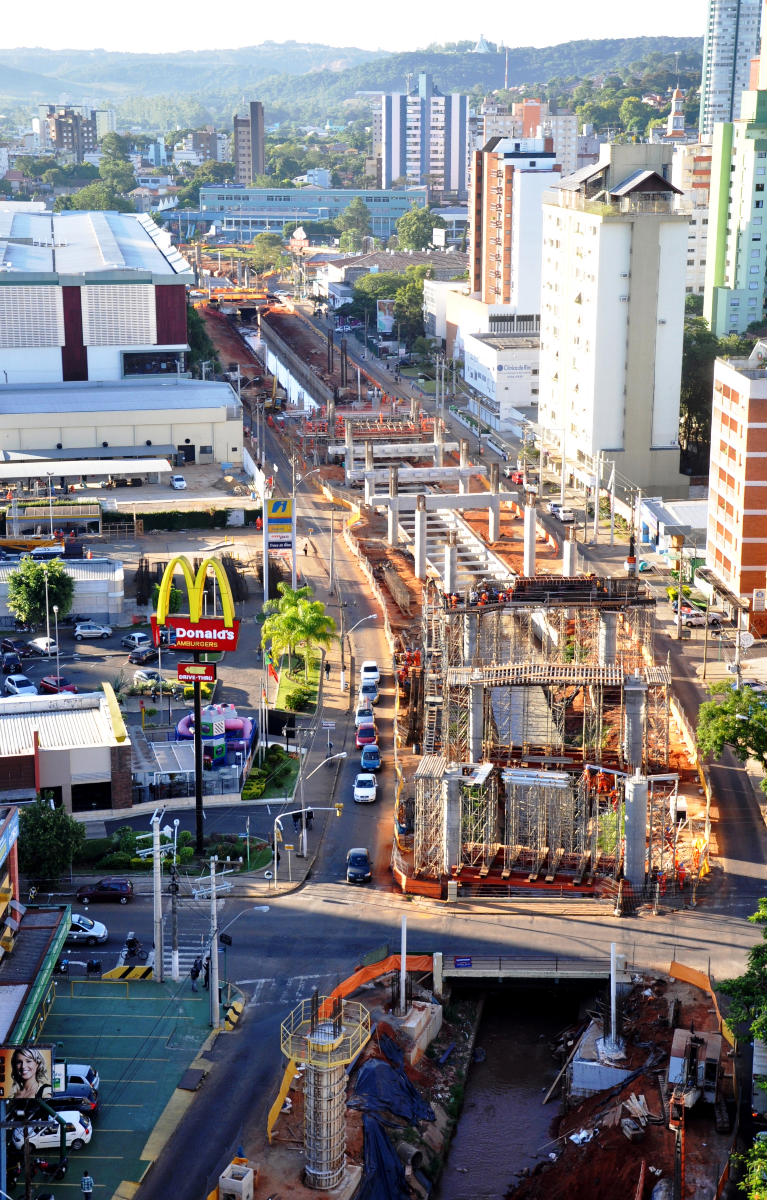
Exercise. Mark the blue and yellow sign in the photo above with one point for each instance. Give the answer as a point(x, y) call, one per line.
point(280, 523)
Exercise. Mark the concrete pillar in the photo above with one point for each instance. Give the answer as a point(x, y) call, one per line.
point(470, 632)
point(437, 977)
point(494, 508)
point(331, 417)
point(463, 484)
point(349, 439)
point(636, 830)
point(476, 691)
point(420, 538)
point(414, 406)
point(439, 438)
point(451, 829)
point(528, 554)
point(569, 555)
point(607, 645)
point(393, 535)
point(370, 487)
point(634, 706)
point(451, 563)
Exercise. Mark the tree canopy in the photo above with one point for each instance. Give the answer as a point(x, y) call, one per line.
point(98, 196)
point(737, 719)
point(27, 593)
point(48, 840)
point(295, 619)
point(414, 228)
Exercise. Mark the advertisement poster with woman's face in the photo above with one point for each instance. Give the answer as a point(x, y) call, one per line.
point(25, 1071)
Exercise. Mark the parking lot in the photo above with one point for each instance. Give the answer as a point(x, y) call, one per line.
point(141, 1037)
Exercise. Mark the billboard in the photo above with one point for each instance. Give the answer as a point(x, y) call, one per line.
point(195, 588)
point(385, 316)
point(209, 633)
point(196, 672)
point(24, 1070)
point(280, 523)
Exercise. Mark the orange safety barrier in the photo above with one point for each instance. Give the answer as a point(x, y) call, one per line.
point(413, 962)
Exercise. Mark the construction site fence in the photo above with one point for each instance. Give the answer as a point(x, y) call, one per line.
point(702, 980)
point(685, 728)
point(375, 587)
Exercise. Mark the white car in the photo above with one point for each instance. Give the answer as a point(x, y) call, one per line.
point(554, 507)
point(698, 617)
point(369, 671)
point(178, 483)
point(19, 685)
point(91, 629)
point(85, 931)
point(365, 788)
point(363, 714)
point(43, 645)
point(77, 1133)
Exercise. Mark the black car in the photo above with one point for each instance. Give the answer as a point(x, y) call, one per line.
point(11, 663)
point(111, 888)
point(142, 655)
point(76, 1096)
point(15, 646)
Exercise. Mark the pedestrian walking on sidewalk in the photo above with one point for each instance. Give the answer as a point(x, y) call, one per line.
point(86, 1185)
point(327, 669)
point(206, 973)
point(194, 972)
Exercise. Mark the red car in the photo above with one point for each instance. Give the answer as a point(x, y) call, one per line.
point(57, 683)
point(366, 735)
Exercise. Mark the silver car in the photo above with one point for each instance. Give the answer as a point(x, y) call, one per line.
point(91, 629)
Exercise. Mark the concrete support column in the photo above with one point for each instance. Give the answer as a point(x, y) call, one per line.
point(393, 534)
point(415, 404)
point(439, 439)
point(636, 830)
point(463, 484)
point(451, 829)
point(569, 555)
point(451, 563)
point(634, 709)
point(494, 509)
point(349, 439)
point(475, 721)
point(437, 978)
point(331, 418)
point(420, 538)
point(470, 631)
point(370, 487)
point(607, 644)
point(528, 555)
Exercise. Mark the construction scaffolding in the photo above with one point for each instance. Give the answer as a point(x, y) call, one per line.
point(428, 817)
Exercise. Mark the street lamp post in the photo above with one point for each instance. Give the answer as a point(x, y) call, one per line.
point(211, 949)
point(370, 617)
point(301, 853)
point(336, 808)
point(50, 499)
point(56, 639)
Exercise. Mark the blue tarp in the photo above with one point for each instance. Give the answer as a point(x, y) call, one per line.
point(384, 1175)
point(381, 1088)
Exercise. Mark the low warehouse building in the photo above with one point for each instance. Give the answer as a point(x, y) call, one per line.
point(73, 749)
point(199, 420)
point(99, 588)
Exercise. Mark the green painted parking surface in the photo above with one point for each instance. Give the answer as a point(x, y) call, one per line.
point(140, 1036)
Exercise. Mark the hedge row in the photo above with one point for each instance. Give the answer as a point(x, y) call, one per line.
point(203, 518)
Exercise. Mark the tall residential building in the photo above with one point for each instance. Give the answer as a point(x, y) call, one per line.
point(731, 41)
point(68, 130)
point(249, 158)
point(735, 294)
point(612, 311)
point(533, 119)
point(508, 180)
point(425, 138)
point(736, 544)
point(691, 173)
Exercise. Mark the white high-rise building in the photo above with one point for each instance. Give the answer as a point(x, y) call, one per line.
point(691, 173)
point(425, 138)
point(612, 312)
point(731, 41)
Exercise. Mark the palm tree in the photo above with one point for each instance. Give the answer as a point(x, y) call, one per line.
point(287, 598)
point(316, 628)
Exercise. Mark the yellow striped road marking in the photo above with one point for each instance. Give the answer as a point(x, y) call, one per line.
point(233, 1014)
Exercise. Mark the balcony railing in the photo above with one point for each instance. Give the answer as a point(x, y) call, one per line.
point(645, 202)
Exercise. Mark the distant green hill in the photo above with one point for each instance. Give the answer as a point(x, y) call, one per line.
point(295, 80)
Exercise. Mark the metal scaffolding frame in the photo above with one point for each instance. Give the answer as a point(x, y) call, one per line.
point(428, 817)
point(479, 823)
point(657, 720)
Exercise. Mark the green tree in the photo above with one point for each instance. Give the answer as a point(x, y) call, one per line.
point(175, 598)
point(699, 349)
point(748, 992)
point(693, 306)
point(201, 348)
point(297, 620)
point(737, 719)
point(27, 594)
point(114, 145)
point(98, 196)
point(49, 839)
point(414, 228)
point(267, 251)
point(634, 115)
point(355, 218)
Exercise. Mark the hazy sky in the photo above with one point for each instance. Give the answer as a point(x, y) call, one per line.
point(396, 25)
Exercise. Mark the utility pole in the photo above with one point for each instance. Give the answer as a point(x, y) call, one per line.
point(157, 896)
point(173, 888)
point(213, 950)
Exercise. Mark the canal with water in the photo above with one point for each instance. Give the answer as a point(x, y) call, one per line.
point(504, 1127)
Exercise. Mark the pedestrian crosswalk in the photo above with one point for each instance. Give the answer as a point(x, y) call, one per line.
point(193, 935)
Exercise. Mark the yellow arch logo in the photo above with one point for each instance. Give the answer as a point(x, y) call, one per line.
point(195, 585)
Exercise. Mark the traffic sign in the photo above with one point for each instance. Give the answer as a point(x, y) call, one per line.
point(196, 672)
point(328, 724)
